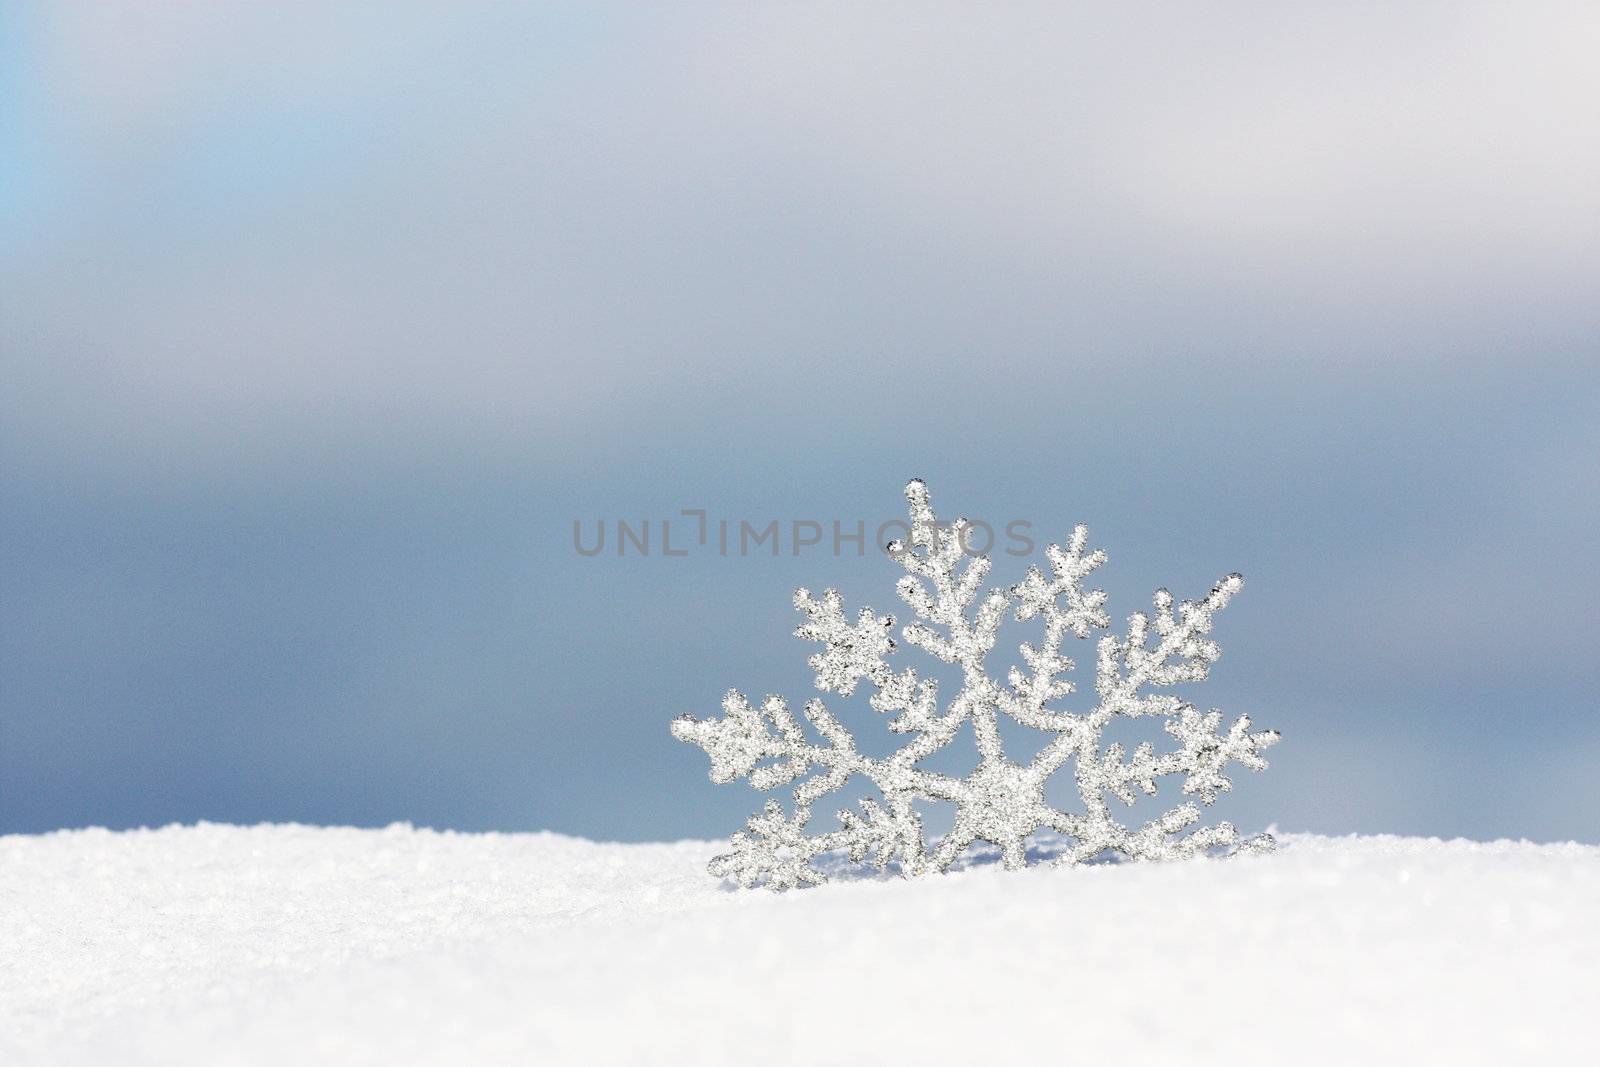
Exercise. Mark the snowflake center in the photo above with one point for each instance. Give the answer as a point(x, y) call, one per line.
point(1003, 802)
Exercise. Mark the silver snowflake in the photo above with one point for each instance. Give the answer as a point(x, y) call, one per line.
point(1001, 802)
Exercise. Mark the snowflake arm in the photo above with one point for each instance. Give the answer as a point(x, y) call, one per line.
point(744, 736)
point(934, 557)
point(852, 652)
point(1205, 754)
point(878, 832)
point(772, 848)
point(1180, 653)
point(1067, 608)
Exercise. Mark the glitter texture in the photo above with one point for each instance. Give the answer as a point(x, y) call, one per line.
point(1000, 802)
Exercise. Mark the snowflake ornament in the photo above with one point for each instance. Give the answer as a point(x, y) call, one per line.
point(1001, 802)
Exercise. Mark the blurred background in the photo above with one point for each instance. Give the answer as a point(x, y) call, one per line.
point(322, 325)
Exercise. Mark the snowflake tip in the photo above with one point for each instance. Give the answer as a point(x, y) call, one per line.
point(1258, 845)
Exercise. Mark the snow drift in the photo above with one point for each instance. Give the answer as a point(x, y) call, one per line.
point(291, 944)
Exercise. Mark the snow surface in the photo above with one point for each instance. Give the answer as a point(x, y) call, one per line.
point(293, 944)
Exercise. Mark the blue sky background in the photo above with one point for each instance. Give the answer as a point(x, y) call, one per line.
point(320, 327)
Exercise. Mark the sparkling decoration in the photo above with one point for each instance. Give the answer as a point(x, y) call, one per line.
point(1000, 802)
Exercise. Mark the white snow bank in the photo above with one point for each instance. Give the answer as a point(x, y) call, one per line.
point(291, 944)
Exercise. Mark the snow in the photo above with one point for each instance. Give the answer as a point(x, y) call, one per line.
point(294, 944)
